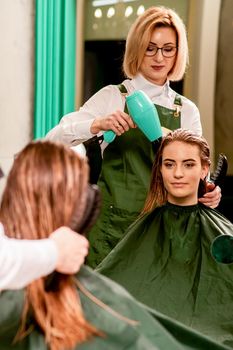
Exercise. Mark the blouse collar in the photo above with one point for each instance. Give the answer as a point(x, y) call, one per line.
point(152, 90)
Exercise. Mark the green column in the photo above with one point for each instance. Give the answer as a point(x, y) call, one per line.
point(54, 63)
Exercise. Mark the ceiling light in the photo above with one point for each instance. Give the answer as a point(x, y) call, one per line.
point(98, 13)
point(96, 3)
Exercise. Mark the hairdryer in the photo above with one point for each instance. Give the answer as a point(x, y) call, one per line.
point(145, 116)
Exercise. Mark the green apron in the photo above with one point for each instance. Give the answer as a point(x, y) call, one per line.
point(124, 181)
point(165, 262)
point(153, 331)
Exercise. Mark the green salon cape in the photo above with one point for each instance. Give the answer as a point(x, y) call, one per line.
point(165, 262)
point(153, 332)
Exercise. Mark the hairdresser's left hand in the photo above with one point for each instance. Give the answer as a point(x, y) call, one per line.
point(212, 197)
point(72, 249)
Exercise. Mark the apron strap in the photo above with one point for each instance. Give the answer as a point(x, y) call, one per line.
point(177, 105)
point(122, 89)
point(93, 149)
point(124, 93)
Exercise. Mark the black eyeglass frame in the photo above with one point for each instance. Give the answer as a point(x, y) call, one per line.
point(156, 49)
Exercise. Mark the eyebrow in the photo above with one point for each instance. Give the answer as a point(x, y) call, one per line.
point(170, 43)
point(185, 160)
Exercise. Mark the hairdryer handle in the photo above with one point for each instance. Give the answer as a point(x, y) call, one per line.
point(109, 136)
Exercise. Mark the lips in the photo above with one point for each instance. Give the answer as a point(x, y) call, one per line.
point(178, 184)
point(157, 68)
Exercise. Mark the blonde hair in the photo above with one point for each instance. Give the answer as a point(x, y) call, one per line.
point(44, 187)
point(139, 37)
point(157, 195)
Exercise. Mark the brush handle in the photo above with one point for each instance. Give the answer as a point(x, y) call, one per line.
point(220, 173)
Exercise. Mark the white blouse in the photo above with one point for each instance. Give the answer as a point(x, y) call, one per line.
point(22, 261)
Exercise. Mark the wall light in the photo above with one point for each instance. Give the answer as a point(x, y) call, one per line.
point(98, 13)
point(110, 12)
point(140, 10)
point(128, 11)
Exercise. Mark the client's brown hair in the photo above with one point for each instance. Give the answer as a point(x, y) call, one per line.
point(45, 185)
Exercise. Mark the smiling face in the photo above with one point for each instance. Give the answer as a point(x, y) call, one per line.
point(181, 171)
point(156, 68)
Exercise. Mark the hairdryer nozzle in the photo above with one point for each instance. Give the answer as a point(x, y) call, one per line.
point(222, 249)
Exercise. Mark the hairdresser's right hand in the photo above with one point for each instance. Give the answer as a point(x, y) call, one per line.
point(119, 122)
point(72, 249)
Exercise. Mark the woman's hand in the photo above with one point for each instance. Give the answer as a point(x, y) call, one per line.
point(119, 122)
point(212, 197)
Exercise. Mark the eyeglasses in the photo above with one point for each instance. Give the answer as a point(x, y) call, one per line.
point(167, 51)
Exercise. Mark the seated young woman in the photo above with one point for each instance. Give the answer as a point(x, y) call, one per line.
point(48, 188)
point(164, 259)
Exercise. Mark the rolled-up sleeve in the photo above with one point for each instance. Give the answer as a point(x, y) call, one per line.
point(22, 261)
point(74, 127)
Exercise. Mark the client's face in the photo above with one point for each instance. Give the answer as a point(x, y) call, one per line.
point(182, 170)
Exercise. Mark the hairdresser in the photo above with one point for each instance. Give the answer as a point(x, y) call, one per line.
point(156, 53)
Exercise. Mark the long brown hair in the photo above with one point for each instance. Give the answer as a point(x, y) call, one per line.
point(44, 187)
point(157, 195)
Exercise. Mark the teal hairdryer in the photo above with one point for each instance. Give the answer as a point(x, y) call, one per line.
point(145, 116)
